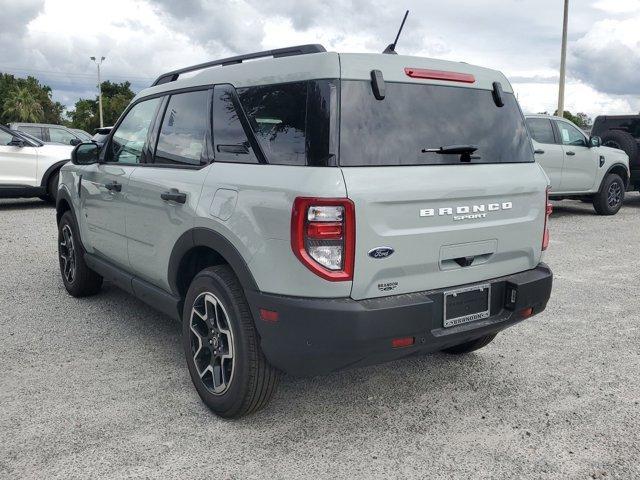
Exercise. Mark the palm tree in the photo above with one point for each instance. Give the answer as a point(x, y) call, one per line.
point(22, 106)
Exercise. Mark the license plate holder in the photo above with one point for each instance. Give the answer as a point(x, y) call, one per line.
point(468, 304)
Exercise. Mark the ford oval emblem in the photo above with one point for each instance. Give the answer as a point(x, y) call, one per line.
point(381, 252)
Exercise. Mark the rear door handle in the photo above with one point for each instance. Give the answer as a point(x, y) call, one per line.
point(174, 195)
point(539, 152)
point(571, 153)
point(113, 186)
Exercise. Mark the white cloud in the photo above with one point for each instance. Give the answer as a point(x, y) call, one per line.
point(142, 38)
point(579, 97)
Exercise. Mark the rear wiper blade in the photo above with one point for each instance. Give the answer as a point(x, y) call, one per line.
point(452, 149)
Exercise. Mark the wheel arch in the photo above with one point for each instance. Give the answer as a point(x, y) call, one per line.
point(618, 169)
point(63, 204)
point(200, 248)
point(50, 171)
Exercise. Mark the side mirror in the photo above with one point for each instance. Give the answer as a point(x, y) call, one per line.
point(16, 142)
point(595, 142)
point(85, 154)
point(75, 141)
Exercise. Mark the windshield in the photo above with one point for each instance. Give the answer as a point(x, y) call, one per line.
point(429, 125)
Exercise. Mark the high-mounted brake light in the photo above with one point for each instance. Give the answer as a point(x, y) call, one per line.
point(547, 213)
point(439, 75)
point(323, 236)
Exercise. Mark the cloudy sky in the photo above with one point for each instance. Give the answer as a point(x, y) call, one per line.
point(53, 40)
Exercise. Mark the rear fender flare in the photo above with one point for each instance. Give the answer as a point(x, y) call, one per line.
point(204, 237)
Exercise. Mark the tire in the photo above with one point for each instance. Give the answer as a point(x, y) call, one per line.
point(52, 187)
point(227, 366)
point(78, 278)
point(610, 198)
point(622, 141)
point(471, 346)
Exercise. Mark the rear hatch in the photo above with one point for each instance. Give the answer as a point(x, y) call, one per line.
point(427, 219)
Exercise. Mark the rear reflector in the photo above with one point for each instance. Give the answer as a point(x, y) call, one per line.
point(526, 313)
point(268, 315)
point(439, 75)
point(402, 342)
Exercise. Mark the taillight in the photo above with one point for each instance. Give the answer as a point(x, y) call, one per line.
point(439, 75)
point(323, 236)
point(547, 214)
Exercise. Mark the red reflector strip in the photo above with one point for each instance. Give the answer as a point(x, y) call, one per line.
point(526, 313)
point(439, 75)
point(402, 342)
point(324, 230)
point(268, 315)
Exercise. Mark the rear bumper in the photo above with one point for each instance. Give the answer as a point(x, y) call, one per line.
point(316, 336)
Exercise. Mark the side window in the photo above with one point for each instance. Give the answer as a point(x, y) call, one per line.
point(570, 135)
point(541, 130)
point(278, 114)
point(182, 135)
point(5, 138)
point(230, 142)
point(131, 135)
point(35, 131)
point(59, 135)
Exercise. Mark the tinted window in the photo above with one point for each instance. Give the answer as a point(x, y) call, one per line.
point(277, 114)
point(59, 135)
point(229, 138)
point(35, 131)
point(182, 135)
point(541, 130)
point(5, 137)
point(570, 135)
point(131, 135)
point(412, 117)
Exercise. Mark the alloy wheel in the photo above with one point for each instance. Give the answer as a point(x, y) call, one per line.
point(614, 195)
point(68, 255)
point(212, 343)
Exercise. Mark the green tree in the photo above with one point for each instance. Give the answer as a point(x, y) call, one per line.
point(22, 105)
point(581, 119)
point(31, 89)
point(115, 98)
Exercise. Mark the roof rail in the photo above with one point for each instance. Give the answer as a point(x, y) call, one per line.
point(279, 52)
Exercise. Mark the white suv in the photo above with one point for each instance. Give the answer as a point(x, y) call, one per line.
point(29, 167)
point(577, 165)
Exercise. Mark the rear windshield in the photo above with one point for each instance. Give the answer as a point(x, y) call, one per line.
point(413, 117)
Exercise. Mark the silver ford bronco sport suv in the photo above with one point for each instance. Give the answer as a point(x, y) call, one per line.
point(313, 211)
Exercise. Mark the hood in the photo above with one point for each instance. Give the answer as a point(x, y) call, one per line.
point(614, 152)
point(63, 151)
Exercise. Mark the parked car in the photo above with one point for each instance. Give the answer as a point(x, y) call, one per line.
point(29, 167)
point(100, 135)
point(622, 132)
point(49, 133)
point(84, 136)
point(577, 165)
point(292, 228)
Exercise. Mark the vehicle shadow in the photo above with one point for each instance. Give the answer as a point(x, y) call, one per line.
point(21, 204)
point(566, 208)
point(380, 388)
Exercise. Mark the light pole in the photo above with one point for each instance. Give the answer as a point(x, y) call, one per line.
point(563, 59)
point(98, 63)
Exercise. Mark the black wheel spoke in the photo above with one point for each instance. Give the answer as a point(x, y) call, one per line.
point(67, 253)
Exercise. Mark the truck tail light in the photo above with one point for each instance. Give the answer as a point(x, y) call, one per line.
point(323, 236)
point(547, 214)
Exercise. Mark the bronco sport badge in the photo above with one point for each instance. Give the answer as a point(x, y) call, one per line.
point(466, 212)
